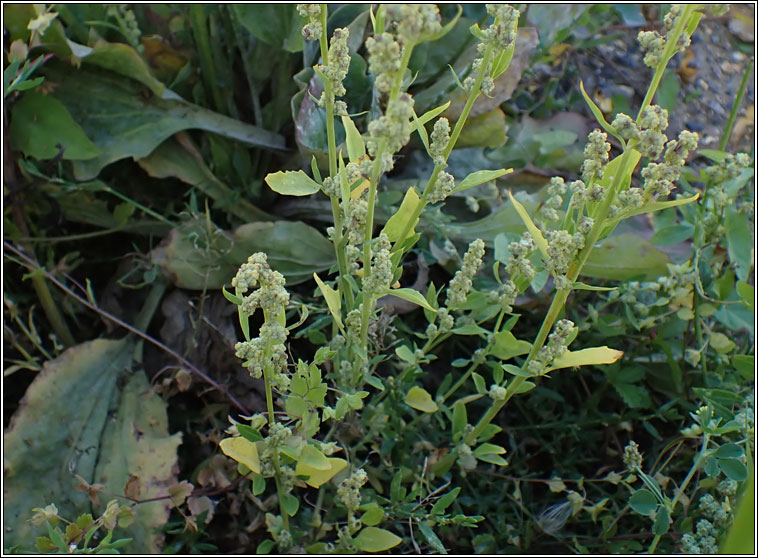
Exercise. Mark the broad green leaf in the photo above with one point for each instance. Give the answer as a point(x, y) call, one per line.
point(480, 177)
point(405, 354)
point(290, 504)
point(643, 502)
point(662, 521)
point(372, 517)
point(674, 234)
point(741, 536)
point(747, 294)
point(556, 485)
point(739, 241)
point(373, 539)
point(411, 295)
point(62, 414)
point(292, 183)
point(242, 451)
point(171, 159)
point(507, 346)
point(333, 299)
point(278, 25)
point(123, 59)
point(481, 387)
point(539, 240)
point(484, 130)
point(420, 399)
point(138, 443)
point(42, 127)
point(729, 450)
point(124, 120)
point(259, 485)
point(525, 387)
point(721, 342)
point(745, 365)
point(355, 146)
point(586, 357)
point(395, 225)
point(194, 257)
point(314, 458)
point(599, 114)
point(317, 477)
point(626, 257)
point(734, 469)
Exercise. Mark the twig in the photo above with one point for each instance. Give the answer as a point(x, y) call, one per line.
point(83, 301)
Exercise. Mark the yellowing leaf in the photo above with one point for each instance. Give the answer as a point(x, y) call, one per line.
point(539, 240)
point(419, 399)
point(394, 227)
point(355, 146)
point(373, 539)
point(312, 457)
point(586, 357)
point(358, 190)
point(292, 183)
point(243, 451)
point(317, 477)
point(333, 300)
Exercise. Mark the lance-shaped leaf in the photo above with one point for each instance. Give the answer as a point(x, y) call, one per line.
point(355, 146)
point(539, 240)
point(333, 299)
point(411, 295)
point(395, 225)
point(599, 115)
point(480, 177)
point(586, 357)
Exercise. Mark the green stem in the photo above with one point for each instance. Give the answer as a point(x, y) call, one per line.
point(200, 30)
point(267, 373)
point(735, 107)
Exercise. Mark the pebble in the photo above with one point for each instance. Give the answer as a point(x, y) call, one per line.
point(737, 56)
point(694, 126)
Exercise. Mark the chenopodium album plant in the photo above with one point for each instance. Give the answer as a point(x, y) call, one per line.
point(287, 445)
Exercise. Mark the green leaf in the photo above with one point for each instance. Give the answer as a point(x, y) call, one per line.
point(654, 206)
point(745, 365)
point(373, 539)
point(125, 60)
point(539, 240)
point(333, 300)
point(395, 225)
point(278, 25)
point(747, 294)
point(741, 536)
point(355, 146)
point(479, 383)
point(721, 343)
point(460, 419)
point(674, 234)
point(290, 504)
point(525, 387)
point(444, 502)
point(486, 448)
point(516, 371)
point(292, 183)
point(643, 502)
point(480, 177)
point(433, 113)
point(578, 286)
point(41, 127)
point(259, 485)
point(507, 346)
point(431, 538)
point(739, 240)
point(121, 122)
point(734, 469)
point(372, 517)
point(314, 458)
point(662, 521)
point(729, 450)
point(405, 354)
point(194, 257)
point(265, 547)
point(411, 295)
point(599, 115)
point(626, 257)
point(586, 357)
point(420, 399)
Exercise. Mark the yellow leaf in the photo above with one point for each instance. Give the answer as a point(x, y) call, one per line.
point(419, 399)
point(243, 451)
point(585, 357)
point(317, 477)
point(333, 299)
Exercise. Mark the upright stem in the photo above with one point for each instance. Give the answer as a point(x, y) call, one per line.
point(736, 106)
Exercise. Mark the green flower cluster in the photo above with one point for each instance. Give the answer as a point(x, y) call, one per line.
point(447, 321)
point(555, 190)
point(127, 22)
point(653, 43)
point(312, 30)
point(555, 347)
point(497, 393)
point(499, 36)
point(349, 490)
point(518, 261)
point(383, 60)
point(336, 70)
point(413, 22)
point(278, 434)
point(272, 298)
point(379, 278)
point(460, 285)
point(562, 248)
point(440, 139)
point(505, 296)
point(442, 187)
point(582, 194)
point(390, 132)
point(659, 178)
point(595, 156)
point(632, 456)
